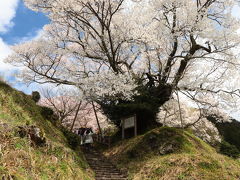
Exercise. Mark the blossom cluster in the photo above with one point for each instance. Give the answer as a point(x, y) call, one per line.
point(109, 84)
point(170, 115)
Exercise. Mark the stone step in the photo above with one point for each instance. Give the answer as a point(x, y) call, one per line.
point(107, 170)
point(111, 178)
point(107, 173)
point(97, 171)
point(100, 163)
point(111, 175)
point(95, 161)
point(94, 157)
point(103, 168)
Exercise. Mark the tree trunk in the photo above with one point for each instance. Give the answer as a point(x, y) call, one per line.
point(95, 112)
point(76, 114)
point(180, 111)
point(145, 105)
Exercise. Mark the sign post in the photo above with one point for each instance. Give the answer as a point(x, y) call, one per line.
point(130, 122)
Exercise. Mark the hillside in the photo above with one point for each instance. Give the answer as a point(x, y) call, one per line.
point(162, 153)
point(169, 153)
point(48, 157)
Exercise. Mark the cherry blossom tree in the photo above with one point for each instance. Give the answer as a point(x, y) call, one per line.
point(73, 111)
point(65, 106)
point(110, 49)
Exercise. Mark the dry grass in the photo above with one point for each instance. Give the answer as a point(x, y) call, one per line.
point(18, 159)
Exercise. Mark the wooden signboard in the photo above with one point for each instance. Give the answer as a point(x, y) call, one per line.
point(130, 122)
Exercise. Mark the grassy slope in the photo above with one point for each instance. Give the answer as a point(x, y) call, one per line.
point(192, 158)
point(19, 159)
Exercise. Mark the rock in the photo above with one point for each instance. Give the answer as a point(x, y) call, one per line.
point(54, 159)
point(34, 133)
point(8, 177)
point(166, 148)
point(4, 127)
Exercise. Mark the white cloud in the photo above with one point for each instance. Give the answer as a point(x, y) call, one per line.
point(4, 52)
point(7, 13)
point(7, 71)
point(30, 36)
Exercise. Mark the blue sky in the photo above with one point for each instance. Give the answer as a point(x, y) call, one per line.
point(26, 24)
point(17, 24)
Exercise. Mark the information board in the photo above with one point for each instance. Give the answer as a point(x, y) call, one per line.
point(130, 122)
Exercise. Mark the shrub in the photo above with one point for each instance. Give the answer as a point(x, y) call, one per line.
point(145, 105)
point(36, 96)
point(229, 150)
point(74, 140)
point(46, 112)
point(49, 114)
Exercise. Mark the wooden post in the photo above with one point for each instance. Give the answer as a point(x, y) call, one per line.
point(123, 129)
point(135, 125)
point(109, 141)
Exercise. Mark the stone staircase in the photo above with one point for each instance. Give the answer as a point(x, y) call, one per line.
point(103, 168)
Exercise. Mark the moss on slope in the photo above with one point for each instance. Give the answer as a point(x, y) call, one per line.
point(19, 159)
point(169, 153)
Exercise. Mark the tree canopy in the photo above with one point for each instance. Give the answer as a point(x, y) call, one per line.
point(110, 48)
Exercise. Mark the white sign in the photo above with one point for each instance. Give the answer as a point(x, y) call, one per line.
point(129, 122)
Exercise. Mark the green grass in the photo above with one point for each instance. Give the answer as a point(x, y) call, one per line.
point(21, 160)
point(191, 159)
point(212, 166)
